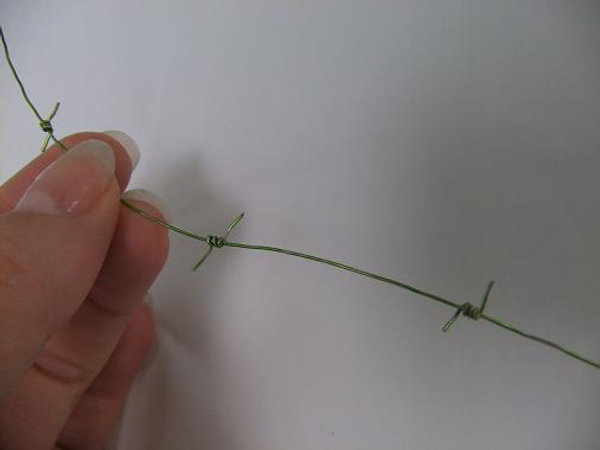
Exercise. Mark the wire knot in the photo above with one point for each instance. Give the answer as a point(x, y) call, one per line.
point(46, 126)
point(469, 310)
point(215, 241)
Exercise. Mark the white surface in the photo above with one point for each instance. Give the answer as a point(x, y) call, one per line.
point(441, 142)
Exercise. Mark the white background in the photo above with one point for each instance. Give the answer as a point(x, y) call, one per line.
point(444, 143)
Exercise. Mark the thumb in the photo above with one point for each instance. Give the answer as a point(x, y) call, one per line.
point(52, 245)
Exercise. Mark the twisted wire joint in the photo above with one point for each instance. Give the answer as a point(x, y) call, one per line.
point(46, 126)
point(217, 241)
point(469, 310)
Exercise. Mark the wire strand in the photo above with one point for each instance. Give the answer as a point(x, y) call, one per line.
point(465, 309)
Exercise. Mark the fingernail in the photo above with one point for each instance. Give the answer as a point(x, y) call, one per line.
point(150, 198)
point(128, 144)
point(73, 183)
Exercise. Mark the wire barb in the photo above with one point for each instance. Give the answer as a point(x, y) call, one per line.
point(217, 241)
point(46, 126)
point(469, 310)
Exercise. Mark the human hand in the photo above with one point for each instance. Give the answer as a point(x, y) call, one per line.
point(75, 266)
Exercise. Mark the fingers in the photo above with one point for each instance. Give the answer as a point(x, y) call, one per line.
point(77, 352)
point(126, 157)
point(137, 254)
point(64, 237)
point(52, 246)
point(92, 420)
point(93, 416)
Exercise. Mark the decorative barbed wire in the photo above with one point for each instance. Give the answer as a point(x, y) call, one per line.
point(465, 309)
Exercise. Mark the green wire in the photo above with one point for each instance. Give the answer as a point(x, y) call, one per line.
point(465, 309)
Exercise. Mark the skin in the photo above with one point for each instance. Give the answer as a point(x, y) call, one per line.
point(80, 315)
